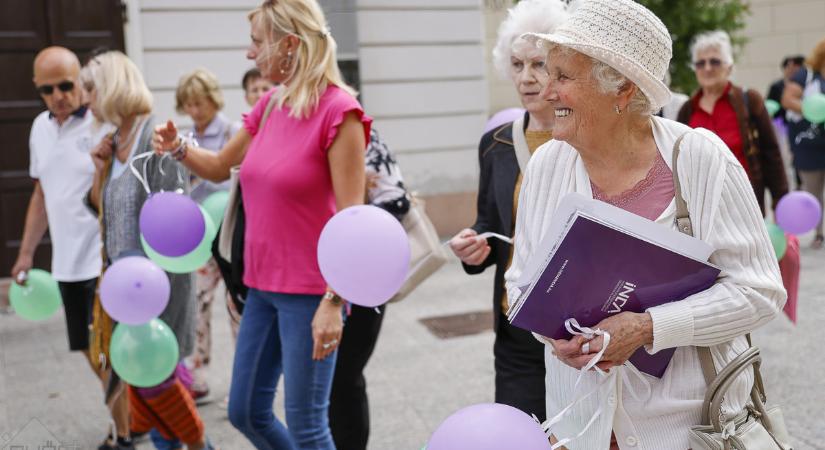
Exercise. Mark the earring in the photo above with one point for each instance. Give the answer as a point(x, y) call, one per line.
point(618, 110)
point(284, 68)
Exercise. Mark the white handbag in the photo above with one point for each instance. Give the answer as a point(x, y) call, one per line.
point(427, 254)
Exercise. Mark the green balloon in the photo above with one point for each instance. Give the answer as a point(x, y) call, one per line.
point(780, 243)
point(215, 205)
point(813, 108)
point(39, 299)
point(144, 355)
point(191, 261)
point(772, 106)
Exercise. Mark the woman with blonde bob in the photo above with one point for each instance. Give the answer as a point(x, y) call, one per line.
point(118, 95)
point(606, 65)
point(301, 156)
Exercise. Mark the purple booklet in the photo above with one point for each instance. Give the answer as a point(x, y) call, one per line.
point(598, 270)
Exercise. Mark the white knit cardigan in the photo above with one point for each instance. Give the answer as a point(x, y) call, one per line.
point(748, 294)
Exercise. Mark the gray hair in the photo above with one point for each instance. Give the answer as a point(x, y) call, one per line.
point(713, 39)
point(528, 16)
point(610, 81)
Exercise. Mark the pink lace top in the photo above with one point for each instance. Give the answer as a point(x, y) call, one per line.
point(649, 197)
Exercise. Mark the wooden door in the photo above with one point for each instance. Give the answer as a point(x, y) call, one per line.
point(26, 27)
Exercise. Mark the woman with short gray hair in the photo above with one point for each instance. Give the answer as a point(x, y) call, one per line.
point(503, 153)
point(738, 116)
point(606, 65)
point(718, 40)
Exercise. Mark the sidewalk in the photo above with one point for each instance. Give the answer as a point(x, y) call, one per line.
point(415, 379)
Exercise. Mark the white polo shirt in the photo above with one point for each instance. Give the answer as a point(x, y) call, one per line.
point(61, 162)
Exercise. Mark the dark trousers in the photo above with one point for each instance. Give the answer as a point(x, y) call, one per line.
point(519, 362)
point(349, 413)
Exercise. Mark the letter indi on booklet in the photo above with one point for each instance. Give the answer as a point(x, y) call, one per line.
point(596, 268)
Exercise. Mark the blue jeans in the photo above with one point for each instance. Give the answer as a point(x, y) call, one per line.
point(276, 338)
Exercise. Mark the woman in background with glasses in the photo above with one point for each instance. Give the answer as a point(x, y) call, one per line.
point(738, 116)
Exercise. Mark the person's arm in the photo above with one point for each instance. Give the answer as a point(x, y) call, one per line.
point(773, 167)
point(476, 254)
point(792, 97)
point(745, 296)
point(101, 157)
point(346, 166)
point(204, 163)
point(35, 227)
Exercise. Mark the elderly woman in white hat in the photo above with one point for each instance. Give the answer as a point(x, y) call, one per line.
point(606, 66)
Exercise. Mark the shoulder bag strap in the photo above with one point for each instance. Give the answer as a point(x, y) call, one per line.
point(684, 225)
point(520, 144)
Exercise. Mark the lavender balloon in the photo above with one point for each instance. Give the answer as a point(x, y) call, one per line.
point(502, 117)
point(171, 223)
point(798, 212)
point(364, 254)
point(489, 426)
point(134, 290)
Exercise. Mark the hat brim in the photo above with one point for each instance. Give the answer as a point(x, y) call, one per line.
point(655, 90)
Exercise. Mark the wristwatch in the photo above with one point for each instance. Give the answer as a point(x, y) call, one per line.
point(333, 297)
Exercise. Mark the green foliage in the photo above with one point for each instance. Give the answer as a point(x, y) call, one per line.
point(687, 18)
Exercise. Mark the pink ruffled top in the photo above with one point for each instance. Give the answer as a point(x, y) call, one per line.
point(287, 192)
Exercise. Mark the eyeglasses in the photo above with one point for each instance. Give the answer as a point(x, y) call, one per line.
point(715, 63)
point(48, 89)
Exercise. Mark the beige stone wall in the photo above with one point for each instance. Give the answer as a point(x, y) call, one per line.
point(777, 28)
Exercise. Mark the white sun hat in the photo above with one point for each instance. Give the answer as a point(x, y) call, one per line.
point(624, 35)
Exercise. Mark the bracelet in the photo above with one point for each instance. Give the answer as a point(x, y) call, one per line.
point(185, 142)
point(333, 297)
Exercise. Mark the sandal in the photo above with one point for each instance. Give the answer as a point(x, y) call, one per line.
point(819, 240)
point(120, 444)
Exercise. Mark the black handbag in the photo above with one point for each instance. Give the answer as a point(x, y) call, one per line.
point(228, 246)
point(232, 269)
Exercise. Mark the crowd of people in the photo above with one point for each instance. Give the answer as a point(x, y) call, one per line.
point(597, 121)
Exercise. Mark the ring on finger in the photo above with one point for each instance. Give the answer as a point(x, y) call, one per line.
point(586, 348)
point(329, 344)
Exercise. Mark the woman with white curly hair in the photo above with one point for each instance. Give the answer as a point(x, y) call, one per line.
point(503, 154)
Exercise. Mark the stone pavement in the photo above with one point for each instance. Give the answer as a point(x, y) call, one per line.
point(415, 379)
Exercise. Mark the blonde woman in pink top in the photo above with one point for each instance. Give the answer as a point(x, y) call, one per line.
point(298, 167)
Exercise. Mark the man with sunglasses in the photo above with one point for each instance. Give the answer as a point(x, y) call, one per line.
point(60, 143)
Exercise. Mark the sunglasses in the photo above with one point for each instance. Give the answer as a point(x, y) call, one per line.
point(714, 63)
point(48, 89)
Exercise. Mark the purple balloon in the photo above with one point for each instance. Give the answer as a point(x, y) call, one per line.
point(798, 212)
point(504, 116)
point(489, 426)
point(134, 290)
point(171, 223)
point(364, 255)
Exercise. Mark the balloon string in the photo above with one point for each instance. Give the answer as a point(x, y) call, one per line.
point(143, 180)
point(177, 167)
point(486, 235)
